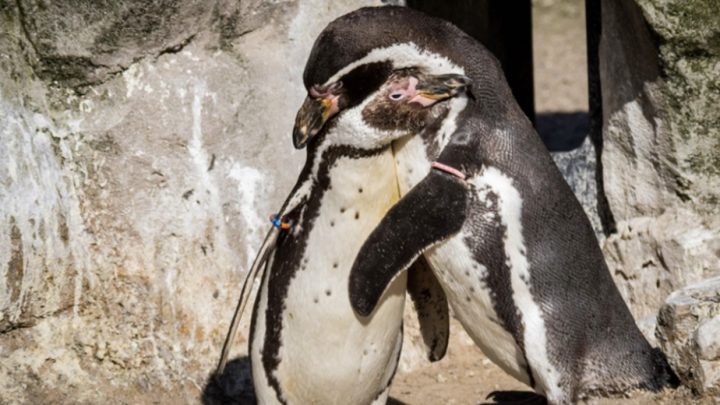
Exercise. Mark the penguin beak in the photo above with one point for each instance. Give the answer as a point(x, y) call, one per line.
point(431, 89)
point(312, 116)
point(319, 106)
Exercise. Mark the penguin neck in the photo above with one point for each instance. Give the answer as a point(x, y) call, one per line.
point(414, 153)
point(345, 174)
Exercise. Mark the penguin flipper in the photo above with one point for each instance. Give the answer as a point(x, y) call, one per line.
point(432, 308)
point(432, 211)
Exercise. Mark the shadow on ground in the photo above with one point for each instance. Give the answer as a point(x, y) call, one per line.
point(233, 387)
point(562, 131)
point(515, 398)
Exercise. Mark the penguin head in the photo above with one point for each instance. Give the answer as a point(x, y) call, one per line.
point(375, 75)
point(411, 100)
point(375, 105)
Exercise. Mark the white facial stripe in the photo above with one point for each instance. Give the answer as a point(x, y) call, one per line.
point(535, 334)
point(449, 126)
point(352, 130)
point(403, 56)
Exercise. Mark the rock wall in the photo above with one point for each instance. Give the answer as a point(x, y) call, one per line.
point(142, 145)
point(660, 77)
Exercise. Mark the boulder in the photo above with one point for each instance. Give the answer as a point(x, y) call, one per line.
point(659, 72)
point(688, 331)
point(650, 257)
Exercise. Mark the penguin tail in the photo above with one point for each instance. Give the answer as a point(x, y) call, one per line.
point(663, 376)
point(612, 371)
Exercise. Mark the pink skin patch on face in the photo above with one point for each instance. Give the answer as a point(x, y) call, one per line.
point(328, 97)
point(334, 108)
point(405, 89)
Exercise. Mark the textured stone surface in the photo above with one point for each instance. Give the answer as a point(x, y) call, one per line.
point(660, 75)
point(142, 145)
point(689, 333)
point(650, 257)
point(578, 169)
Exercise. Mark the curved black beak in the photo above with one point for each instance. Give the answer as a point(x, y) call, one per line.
point(312, 116)
point(441, 87)
point(321, 103)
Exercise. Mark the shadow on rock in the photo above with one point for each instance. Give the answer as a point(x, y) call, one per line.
point(515, 398)
point(233, 387)
point(563, 131)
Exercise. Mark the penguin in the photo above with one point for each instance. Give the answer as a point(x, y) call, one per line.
point(484, 204)
point(307, 345)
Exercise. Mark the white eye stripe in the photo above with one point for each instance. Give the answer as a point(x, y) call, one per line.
point(402, 56)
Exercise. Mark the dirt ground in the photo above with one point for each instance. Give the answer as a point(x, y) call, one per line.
point(466, 376)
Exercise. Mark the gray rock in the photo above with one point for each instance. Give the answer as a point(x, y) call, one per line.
point(578, 169)
point(661, 134)
point(647, 326)
point(650, 257)
point(689, 334)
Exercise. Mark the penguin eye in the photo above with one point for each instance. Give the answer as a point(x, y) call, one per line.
point(397, 95)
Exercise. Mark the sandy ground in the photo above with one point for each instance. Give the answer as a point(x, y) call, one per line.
point(466, 376)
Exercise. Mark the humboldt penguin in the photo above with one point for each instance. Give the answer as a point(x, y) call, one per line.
point(307, 345)
point(494, 218)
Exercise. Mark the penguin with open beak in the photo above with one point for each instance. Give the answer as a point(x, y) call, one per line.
point(484, 204)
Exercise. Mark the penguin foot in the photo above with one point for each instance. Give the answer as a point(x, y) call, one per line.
point(515, 398)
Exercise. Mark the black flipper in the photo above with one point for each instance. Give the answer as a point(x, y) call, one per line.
point(433, 210)
point(432, 308)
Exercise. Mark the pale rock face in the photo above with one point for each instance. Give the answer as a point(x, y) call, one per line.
point(650, 257)
point(578, 168)
point(142, 146)
point(661, 135)
point(688, 330)
point(659, 62)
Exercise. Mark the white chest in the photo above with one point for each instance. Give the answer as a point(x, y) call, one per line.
point(328, 354)
point(411, 162)
point(462, 279)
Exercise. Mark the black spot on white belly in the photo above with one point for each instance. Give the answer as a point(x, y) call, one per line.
point(289, 258)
